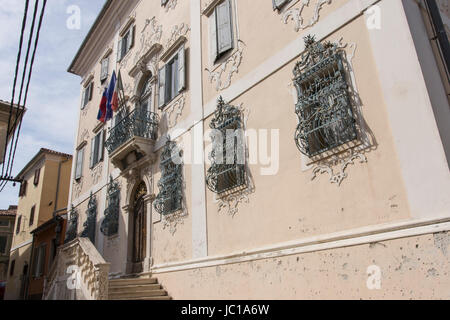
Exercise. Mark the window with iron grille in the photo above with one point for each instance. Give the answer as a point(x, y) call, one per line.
point(110, 224)
point(227, 172)
point(324, 111)
point(91, 221)
point(170, 197)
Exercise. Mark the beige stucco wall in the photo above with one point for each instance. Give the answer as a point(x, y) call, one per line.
point(287, 207)
point(411, 268)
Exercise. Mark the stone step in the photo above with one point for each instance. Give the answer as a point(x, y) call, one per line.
point(134, 288)
point(126, 282)
point(138, 294)
point(146, 298)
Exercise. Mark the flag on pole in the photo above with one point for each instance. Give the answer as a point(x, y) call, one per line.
point(102, 109)
point(110, 96)
point(117, 99)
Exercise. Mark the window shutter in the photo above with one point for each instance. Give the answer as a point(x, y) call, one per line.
point(224, 27)
point(162, 86)
point(91, 89)
point(277, 4)
point(181, 69)
point(91, 158)
point(36, 176)
point(119, 50)
point(79, 167)
point(131, 37)
point(213, 37)
point(101, 148)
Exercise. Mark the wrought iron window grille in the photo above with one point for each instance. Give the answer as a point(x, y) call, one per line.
point(110, 224)
point(137, 123)
point(91, 221)
point(71, 232)
point(227, 173)
point(170, 197)
point(326, 119)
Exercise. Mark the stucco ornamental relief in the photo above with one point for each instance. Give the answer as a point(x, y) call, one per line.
point(174, 111)
point(77, 188)
point(173, 220)
point(171, 4)
point(84, 136)
point(151, 34)
point(296, 13)
point(222, 75)
point(177, 32)
point(96, 173)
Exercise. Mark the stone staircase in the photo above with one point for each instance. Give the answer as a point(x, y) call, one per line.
point(136, 289)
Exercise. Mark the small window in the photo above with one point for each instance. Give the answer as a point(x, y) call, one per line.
point(87, 94)
point(126, 43)
point(278, 4)
point(221, 30)
point(4, 223)
point(3, 242)
point(172, 78)
point(104, 69)
point(11, 268)
point(79, 165)
point(32, 215)
point(97, 149)
point(19, 221)
point(37, 172)
point(23, 188)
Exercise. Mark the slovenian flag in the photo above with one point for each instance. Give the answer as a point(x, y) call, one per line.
point(102, 109)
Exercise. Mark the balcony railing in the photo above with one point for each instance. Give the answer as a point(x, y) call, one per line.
point(138, 123)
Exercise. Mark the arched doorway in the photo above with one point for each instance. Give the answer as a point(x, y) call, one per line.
point(138, 229)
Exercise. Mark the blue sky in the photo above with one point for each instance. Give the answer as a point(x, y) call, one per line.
point(53, 97)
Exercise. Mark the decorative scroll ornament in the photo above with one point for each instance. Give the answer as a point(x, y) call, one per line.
point(77, 188)
point(341, 175)
point(174, 111)
point(72, 225)
point(96, 173)
point(151, 34)
point(110, 224)
point(231, 202)
point(234, 61)
point(177, 32)
point(171, 4)
point(323, 108)
point(296, 14)
point(91, 221)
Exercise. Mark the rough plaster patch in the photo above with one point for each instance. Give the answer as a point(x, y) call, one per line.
point(442, 241)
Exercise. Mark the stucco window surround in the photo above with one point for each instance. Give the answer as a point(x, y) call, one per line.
point(88, 90)
point(126, 39)
point(79, 162)
point(225, 13)
point(172, 74)
point(105, 64)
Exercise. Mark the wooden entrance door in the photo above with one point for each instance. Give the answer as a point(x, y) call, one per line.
point(139, 234)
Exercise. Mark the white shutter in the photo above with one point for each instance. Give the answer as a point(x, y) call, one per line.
point(212, 38)
point(119, 50)
point(162, 86)
point(224, 27)
point(91, 158)
point(131, 40)
point(181, 69)
point(79, 167)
